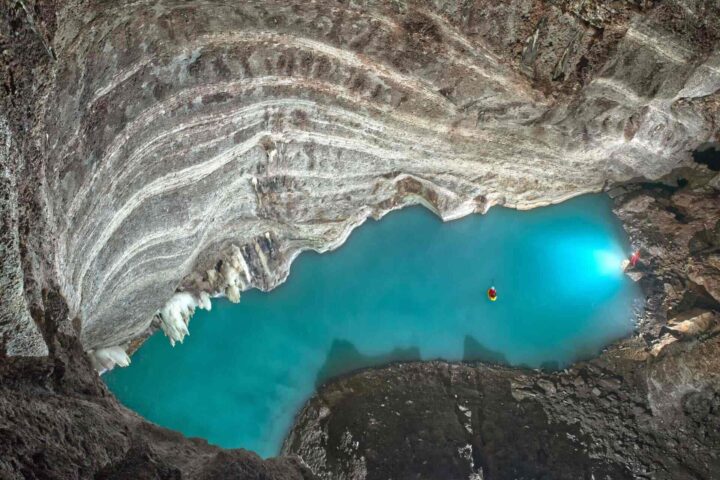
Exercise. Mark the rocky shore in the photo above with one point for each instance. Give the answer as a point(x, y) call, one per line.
point(614, 417)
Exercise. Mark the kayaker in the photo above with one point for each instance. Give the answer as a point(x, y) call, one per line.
point(492, 294)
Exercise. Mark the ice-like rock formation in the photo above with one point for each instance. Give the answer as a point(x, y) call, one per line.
point(201, 146)
point(175, 315)
point(106, 358)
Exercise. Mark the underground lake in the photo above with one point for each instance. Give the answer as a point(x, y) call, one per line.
point(407, 287)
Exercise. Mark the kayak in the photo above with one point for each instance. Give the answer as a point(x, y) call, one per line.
point(492, 294)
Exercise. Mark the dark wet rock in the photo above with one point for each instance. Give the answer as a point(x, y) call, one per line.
point(708, 154)
point(453, 421)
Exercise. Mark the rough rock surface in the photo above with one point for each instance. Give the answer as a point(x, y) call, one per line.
point(202, 145)
point(59, 421)
point(676, 227)
point(612, 418)
point(21, 57)
point(648, 407)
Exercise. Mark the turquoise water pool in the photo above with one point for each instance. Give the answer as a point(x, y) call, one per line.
point(403, 288)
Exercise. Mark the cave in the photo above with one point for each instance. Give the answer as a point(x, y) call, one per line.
point(708, 154)
point(162, 158)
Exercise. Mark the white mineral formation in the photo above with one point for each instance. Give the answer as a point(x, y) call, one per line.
point(175, 315)
point(107, 358)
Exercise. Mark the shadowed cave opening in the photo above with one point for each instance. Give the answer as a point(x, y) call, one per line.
point(708, 154)
point(405, 288)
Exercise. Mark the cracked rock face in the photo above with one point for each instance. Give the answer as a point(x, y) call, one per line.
point(169, 139)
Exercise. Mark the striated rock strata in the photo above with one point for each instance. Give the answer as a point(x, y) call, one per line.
point(189, 147)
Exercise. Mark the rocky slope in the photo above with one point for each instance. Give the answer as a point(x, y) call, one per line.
point(648, 407)
point(201, 146)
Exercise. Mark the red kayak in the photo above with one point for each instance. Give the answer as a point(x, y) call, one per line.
point(492, 294)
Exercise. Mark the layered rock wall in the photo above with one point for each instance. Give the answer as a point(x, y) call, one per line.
point(153, 153)
point(171, 138)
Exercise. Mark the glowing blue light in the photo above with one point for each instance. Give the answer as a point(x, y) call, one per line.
point(608, 262)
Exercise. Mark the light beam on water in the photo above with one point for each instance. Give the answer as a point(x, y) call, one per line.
point(404, 288)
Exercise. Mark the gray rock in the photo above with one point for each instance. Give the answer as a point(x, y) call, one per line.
point(569, 434)
point(154, 147)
